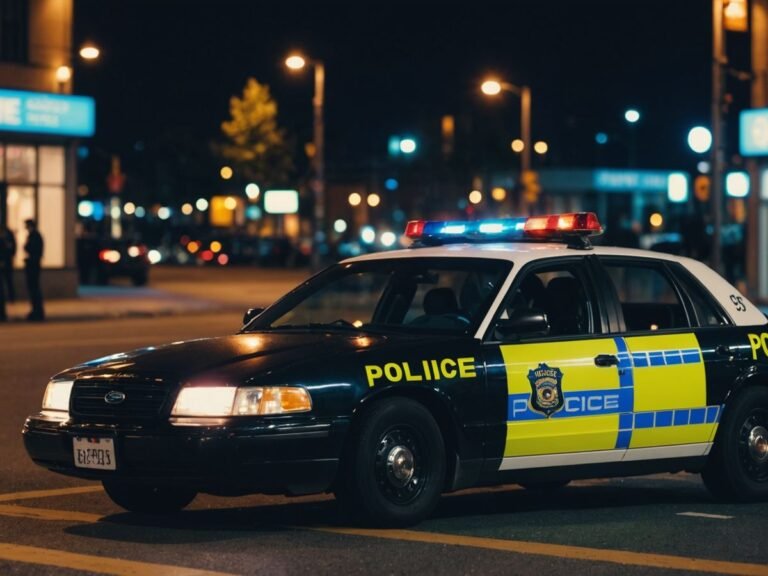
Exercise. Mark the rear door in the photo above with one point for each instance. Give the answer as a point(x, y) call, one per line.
point(669, 416)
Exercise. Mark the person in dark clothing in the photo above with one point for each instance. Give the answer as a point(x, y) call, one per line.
point(8, 241)
point(34, 255)
point(5, 261)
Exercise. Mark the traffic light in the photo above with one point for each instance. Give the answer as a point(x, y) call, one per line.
point(531, 187)
point(701, 188)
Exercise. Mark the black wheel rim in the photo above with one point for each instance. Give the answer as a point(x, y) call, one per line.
point(753, 445)
point(400, 468)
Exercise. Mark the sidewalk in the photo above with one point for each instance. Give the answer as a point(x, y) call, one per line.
point(105, 302)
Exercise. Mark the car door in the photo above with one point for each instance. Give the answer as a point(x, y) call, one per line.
point(564, 386)
point(670, 416)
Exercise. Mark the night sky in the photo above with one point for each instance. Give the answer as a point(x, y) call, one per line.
point(169, 68)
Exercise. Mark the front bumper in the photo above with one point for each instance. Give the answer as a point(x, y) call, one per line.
point(274, 456)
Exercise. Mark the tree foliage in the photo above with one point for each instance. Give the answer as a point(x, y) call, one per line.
point(253, 142)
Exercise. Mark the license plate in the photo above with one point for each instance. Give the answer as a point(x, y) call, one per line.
point(94, 453)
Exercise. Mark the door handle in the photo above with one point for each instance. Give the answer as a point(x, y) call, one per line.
point(606, 360)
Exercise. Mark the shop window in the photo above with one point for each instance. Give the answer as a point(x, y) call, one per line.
point(20, 164)
point(21, 206)
point(51, 224)
point(51, 165)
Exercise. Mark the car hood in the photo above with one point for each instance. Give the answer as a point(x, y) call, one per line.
point(238, 356)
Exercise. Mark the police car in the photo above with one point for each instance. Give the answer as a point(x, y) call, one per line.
point(504, 351)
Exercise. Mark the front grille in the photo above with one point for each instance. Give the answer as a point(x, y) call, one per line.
point(143, 399)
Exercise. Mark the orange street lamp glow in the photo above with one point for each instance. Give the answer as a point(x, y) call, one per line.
point(540, 147)
point(63, 74)
point(225, 172)
point(517, 145)
point(230, 203)
point(491, 87)
point(656, 220)
point(354, 199)
point(89, 52)
point(295, 62)
point(499, 194)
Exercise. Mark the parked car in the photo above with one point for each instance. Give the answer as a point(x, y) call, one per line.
point(100, 260)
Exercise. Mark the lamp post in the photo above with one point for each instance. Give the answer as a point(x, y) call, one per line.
point(492, 87)
point(297, 62)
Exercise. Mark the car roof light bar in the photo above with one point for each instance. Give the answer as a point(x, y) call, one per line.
point(574, 228)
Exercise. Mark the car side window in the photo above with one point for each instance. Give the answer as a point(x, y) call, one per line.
point(557, 292)
point(707, 312)
point(647, 296)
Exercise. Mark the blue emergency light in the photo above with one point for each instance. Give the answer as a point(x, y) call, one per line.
point(552, 227)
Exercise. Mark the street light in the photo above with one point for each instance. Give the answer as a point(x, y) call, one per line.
point(700, 139)
point(298, 62)
point(89, 52)
point(632, 116)
point(494, 87)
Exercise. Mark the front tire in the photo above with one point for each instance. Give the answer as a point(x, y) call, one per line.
point(738, 465)
point(148, 499)
point(395, 469)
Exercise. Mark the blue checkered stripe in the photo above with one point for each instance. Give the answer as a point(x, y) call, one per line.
point(628, 363)
point(664, 418)
point(664, 358)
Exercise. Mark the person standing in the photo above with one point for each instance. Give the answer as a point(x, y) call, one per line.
point(5, 261)
point(34, 255)
point(8, 240)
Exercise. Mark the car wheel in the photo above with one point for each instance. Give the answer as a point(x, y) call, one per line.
point(395, 469)
point(146, 498)
point(737, 468)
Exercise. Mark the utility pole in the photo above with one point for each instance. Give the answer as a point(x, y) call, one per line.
point(318, 102)
point(757, 212)
point(718, 62)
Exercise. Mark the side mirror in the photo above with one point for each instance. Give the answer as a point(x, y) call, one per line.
point(525, 323)
point(250, 314)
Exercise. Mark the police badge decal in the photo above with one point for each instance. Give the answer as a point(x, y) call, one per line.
point(546, 389)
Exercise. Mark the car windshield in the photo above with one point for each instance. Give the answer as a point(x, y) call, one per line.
point(447, 295)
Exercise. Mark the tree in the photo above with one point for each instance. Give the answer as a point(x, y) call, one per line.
point(254, 143)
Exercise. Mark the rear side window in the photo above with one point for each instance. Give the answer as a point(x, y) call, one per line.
point(707, 312)
point(648, 298)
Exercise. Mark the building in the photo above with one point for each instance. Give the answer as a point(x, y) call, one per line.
point(40, 127)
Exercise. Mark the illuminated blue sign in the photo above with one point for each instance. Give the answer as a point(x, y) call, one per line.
point(631, 180)
point(41, 113)
point(753, 132)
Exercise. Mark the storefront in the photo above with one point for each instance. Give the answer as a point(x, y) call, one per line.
point(39, 135)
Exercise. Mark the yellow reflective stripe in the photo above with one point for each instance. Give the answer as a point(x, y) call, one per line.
point(668, 386)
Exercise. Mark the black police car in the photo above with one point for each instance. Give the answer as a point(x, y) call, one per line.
point(490, 352)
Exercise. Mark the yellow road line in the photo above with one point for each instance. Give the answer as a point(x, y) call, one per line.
point(49, 493)
point(47, 514)
point(97, 564)
point(561, 551)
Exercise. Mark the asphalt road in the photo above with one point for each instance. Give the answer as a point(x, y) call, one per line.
point(51, 524)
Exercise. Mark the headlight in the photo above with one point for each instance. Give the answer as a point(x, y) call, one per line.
point(272, 400)
point(57, 396)
point(218, 401)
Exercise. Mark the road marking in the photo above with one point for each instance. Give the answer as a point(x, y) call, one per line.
point(47, 514)
point(49, 493)
point(561, 551)
point(703, 515)
point(97, 564)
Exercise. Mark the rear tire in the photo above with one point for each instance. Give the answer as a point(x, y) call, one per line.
point(148, 499)
point(394, 471)
point(737, 468)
